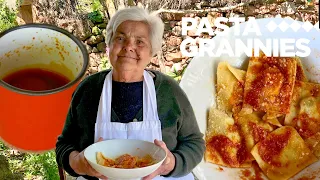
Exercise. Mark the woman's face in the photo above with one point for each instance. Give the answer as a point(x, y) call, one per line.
point(130, 48)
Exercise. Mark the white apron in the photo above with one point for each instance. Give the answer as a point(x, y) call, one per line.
point(148, 130)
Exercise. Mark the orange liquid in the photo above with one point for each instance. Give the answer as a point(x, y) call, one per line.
point(36, 79)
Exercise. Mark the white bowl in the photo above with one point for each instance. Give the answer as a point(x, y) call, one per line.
point(117, 147)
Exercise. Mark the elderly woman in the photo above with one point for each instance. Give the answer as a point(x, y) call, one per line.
point(149, 105)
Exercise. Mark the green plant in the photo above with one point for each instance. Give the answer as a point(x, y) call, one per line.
point(7, 17)
point(31, 165)
point(41, 165)
point(3, 147)
point(105, 63)
point(96, 31)
point(86, 6)
point(96, 5)
point(177, 75)
point(95, 17)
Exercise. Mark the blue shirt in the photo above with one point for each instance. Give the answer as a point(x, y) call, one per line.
point(127, 100)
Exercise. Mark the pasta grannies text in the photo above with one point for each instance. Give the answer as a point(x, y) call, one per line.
point(235, 45)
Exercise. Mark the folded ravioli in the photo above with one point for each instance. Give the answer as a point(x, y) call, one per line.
point(230, 84)
point(269, 86)
point(304, 114)
point(282, 154)
point(224, 145)
point(253, 129)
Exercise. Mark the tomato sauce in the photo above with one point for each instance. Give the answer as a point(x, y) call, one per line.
point(308, 126)
point(36, 79)
point(299, 74)
point(273, 74)
point(259, 133)
point(246, 174)
point(221, 144)
point(315, 92)
point(270, 148)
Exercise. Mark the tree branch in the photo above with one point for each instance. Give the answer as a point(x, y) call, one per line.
point(222, 9)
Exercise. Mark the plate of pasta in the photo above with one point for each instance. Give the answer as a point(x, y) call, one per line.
point(260, 115)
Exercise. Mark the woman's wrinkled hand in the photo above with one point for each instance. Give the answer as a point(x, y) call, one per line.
point(81, 166)
point(167, 165)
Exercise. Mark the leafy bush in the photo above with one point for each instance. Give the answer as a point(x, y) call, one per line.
point(105, 63)
point(96, 5)
point(32, 165)
point(41, 165)
point(96, 17)
point(7, 17)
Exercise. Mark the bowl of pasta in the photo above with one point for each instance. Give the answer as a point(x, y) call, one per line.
point(260, 115)
point(125, 158)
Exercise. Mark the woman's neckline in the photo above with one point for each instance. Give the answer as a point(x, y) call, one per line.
point(118, 82)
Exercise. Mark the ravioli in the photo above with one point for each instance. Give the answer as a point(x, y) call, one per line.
point(282, 154)
point(269, 86)
point(230, 83)
point(304, 114)
point(253, 129)
point(224, 144)
point(269, 114)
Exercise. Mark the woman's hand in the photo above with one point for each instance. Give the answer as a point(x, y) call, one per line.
point(81, 166)
point(167, 165)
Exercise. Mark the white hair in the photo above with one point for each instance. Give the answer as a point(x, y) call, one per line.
point(154, 22)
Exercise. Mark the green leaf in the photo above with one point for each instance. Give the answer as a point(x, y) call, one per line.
point(171, 74)
point(95, 17)
point(178, 78)
point(7, 17)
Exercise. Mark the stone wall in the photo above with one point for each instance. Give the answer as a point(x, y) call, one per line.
point(173, 59)
point(93, 33)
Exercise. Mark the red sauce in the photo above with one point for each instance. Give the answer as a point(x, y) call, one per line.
point(315, 92)
point(221, 144)
point(36, 79)
point(252, 96)
point(308, 126)
point(220, 169)
point(242, 153)
point(258, 132)
point(298, 84)
point(256, 69)
point(273, 74)
point(257, 172)
point(246, 174)
point(270, 148)
point(299, 74)
point(318, 107)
